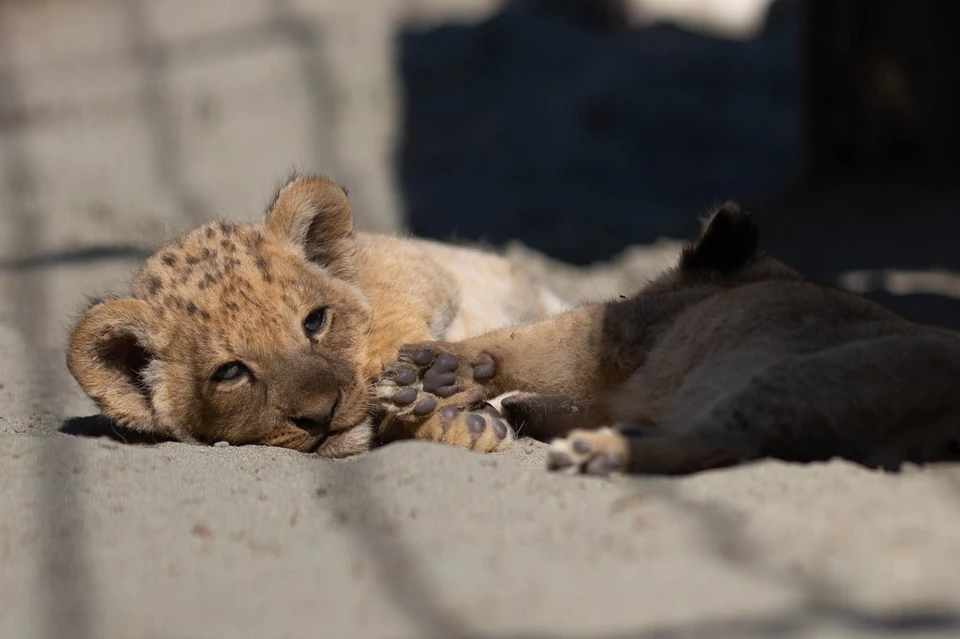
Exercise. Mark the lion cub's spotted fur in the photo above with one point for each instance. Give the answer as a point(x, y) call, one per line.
point(730, 356)
point(162, 360)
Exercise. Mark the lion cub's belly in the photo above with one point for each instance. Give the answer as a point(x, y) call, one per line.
point(493, 292)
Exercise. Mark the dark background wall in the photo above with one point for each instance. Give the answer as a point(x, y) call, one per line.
point(559, 123)
point(581, 136)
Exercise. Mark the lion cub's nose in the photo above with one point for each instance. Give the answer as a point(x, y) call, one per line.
point(316, 419)
point(312, 423)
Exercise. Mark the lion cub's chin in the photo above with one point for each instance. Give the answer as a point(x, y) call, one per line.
point(349, 441)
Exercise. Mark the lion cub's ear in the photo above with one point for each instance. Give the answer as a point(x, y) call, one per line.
point(313, 213)
point(108, 353)
point(728, 241)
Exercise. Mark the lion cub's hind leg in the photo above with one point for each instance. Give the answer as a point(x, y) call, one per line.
point(879, 402)
point(594, 452)
point(545, 417)
point(609, 450)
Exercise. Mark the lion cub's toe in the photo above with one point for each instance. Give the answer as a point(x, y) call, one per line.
point(594, 452)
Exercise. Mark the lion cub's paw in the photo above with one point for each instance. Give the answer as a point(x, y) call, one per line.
point(447, 369)
point(401, 393)
point(405, 396)
point(594, 452)
point(483, 431)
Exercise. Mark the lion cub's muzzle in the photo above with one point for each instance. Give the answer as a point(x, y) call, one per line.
point(307, 393)
point(316, 421)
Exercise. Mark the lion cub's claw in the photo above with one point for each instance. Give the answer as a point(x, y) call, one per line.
point(593, 452)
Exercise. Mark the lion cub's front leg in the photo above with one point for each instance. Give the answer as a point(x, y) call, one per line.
point(566, 355)
point(430, 376)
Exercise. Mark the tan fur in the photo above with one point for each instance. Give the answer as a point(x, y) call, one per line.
point(730, 356)
point(229, 292)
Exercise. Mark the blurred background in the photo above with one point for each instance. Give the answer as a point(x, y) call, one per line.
point(570, 132)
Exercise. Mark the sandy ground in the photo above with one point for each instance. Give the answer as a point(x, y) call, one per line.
point(124, 122)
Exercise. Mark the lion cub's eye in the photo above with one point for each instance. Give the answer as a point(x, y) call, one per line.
point(230, 372)
point(314, 322)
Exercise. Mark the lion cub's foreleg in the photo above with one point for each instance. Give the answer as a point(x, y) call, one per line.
point(566, 368)
point(564, 364)
point(570, 355)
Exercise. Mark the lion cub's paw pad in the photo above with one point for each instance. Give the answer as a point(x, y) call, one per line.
point(440, 378)
point(593, 452)
point(445, 374)
point(482, 431)
point(399, 390)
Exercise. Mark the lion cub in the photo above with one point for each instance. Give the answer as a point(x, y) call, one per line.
point(273, 333)
point(731, 356)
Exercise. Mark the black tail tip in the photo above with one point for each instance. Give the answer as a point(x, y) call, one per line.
point(729, 240)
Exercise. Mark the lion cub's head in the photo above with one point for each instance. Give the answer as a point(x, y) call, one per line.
point(248, 333)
